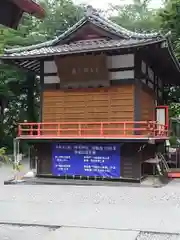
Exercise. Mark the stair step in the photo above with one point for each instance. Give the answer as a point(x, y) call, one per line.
point(173, 174)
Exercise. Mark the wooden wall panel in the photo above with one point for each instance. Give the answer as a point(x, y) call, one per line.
point(81, 71)
point(110, 104)
point(90, 105)
point(147, 107)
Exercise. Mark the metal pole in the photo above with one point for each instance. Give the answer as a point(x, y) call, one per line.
point(177, 157)
point(15, 157)
point(14, 151)
point(18, 149)
point(30, 157)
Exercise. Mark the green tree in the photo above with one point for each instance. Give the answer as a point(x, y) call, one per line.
point(61, 14)
point(169, 19)
point(23, 88)
point(137, 16)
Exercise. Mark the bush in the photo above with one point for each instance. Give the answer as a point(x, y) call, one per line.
point(173, 140)
point(3, 157)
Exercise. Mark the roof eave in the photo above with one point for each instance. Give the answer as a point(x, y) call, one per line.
point(109, 48)
point(172, 54)
point(171, 66)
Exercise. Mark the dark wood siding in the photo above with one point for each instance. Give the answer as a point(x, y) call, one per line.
point(10, 14)
point(44, 156)
point(130, 159)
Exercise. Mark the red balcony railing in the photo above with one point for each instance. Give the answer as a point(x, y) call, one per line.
point(92, 130)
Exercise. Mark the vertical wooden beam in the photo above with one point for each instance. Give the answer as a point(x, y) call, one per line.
point(164, 100)
point(30, 83)
point(146, 73)
point(41, 89)
point(137, 87)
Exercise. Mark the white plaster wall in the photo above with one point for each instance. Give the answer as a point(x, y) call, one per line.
point(50, 67)
point(121, 75)
point(117, 61)
point(120, 61)
point(51, 79)
point(150, 74)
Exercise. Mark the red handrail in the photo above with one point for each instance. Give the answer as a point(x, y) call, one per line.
point(86, 129)
point(91, 123)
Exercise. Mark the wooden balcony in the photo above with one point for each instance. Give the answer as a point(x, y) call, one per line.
point(93, 130)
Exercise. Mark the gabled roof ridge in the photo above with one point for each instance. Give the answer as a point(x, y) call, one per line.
point(109, 24)
point(97, 20)
point(77, 25)
point(127, 32)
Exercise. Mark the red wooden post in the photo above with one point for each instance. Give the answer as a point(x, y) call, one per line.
point(124, 128)
point(79, 128)
point(101, 130)
point(39, 129)
point(59, 129)
point(19, 130)
point(31, 129)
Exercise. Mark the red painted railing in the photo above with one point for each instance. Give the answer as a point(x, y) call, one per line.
point(92, 130)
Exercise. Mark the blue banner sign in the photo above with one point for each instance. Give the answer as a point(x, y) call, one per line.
point(92, 159)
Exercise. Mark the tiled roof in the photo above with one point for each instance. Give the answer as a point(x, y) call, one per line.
point(78, 47)
point(29, 57)
point(96, 20)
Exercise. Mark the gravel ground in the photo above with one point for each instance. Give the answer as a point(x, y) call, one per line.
point(83, 211)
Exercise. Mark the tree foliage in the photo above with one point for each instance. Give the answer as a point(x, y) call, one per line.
point(137, 16)
point(21, 89)
point(169, 19)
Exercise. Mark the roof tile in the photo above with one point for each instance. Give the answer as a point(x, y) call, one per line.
point(97, 20)
point(79, 46)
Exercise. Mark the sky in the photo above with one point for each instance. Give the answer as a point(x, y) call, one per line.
point(103, 4)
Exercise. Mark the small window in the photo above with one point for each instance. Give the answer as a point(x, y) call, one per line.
point(143, 67)
point(151, 74)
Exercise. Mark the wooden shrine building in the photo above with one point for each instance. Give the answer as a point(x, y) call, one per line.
point(102, 103)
